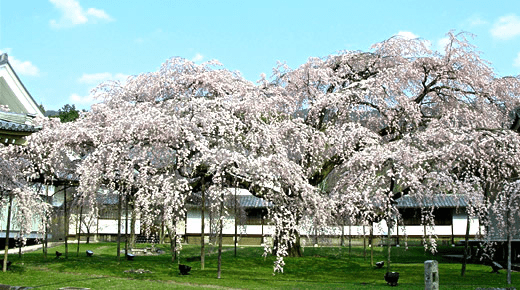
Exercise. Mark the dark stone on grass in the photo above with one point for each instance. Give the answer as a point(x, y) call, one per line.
point(391, 278)
point(184, 269)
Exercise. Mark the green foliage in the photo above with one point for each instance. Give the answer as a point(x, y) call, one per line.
point(68, 113)
point(320, 268)
point(42, 109)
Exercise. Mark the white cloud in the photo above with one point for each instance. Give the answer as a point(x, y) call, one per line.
point(506, 27)
point(442, 43)
point(82, 100)
point(407, 35)
point(98, 13)
point(516, 62)
point(98, 78)
point(198, 57)
point(25, 68)
point(73, 14)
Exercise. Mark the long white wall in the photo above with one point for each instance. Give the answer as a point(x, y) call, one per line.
point(459, 228)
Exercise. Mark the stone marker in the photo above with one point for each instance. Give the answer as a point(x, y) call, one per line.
point(431, 275)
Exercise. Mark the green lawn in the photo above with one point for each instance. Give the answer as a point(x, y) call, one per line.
point(320, 268)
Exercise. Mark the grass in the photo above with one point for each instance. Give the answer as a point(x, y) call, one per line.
point(320, 268)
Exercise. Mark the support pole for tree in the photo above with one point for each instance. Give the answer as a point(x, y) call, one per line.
point(119, 228)
point(7, 232)
point(371, 242)
point(221, 227)
point(364, 243)
point(342, 240)
point(452, 233)
point(349, 238)
point(465, 256)
point(509, 237)
point(262, 221)
point(509, 258)
point(46, 240)
point(126, 224)
point(202, 224)
point(236, 242)
point(397, 236)
point(389, 244)
point(79, 229)
point(389, 224)
point(66, 222)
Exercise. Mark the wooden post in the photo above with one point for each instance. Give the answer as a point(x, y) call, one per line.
point(66, 222)
point(221, 227)
point(389, 243)
point(452, 233)
point(236, 242)
point(262, 221)
point(364, 244)
point(349, 238)
point(202, 226)
point(465, 256)
point(126, 224)
point(342, 240)
point(79, 229)
point(46, 240)
point(371, 242)
point(119, 228)
point(8, 226)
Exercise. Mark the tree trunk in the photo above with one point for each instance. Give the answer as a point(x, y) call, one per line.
point(162, 233)
point(7, 232)
point(465, 256)
point(202, 224)
point(295, 249)
point(119, 229)
point(221, 227)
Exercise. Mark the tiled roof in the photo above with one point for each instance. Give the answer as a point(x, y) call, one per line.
point(250, 201)
point(11, 126)
point(244, 201)
point(439, 201)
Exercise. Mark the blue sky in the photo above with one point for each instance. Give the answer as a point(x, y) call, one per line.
point(61, 49)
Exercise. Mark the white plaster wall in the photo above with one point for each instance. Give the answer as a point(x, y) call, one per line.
point(102, 226)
